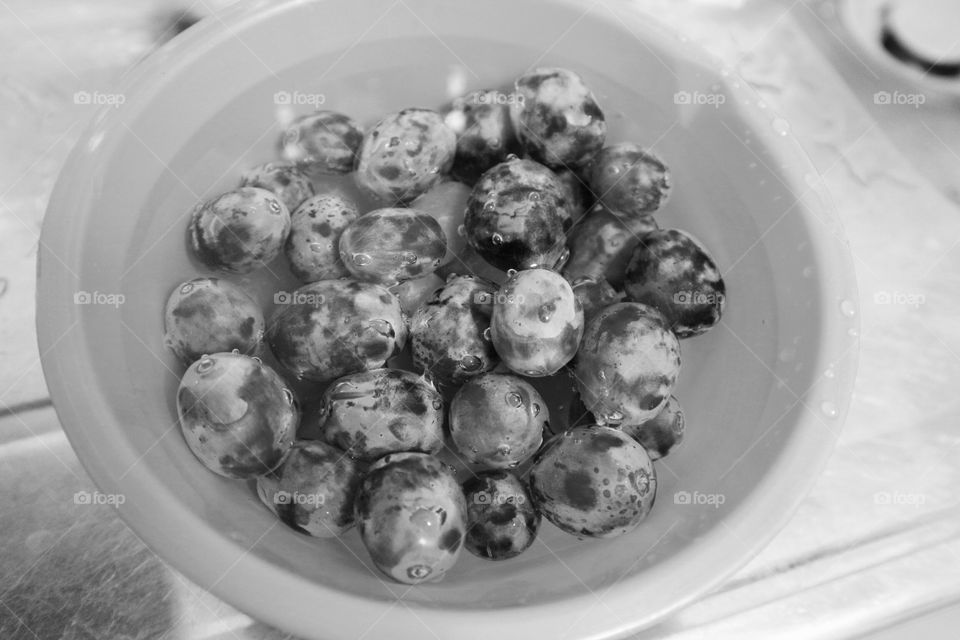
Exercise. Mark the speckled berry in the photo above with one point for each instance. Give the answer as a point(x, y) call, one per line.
point(485, 135)
point(602, 244)
point(372, 413)
point(627, 364)
point(502, 522)
point(411, 515)
point(628, 180)
point(404, 155)
point(662, 433)
point(211, 315)
point(331, 328)
point(672, 271)
point(322, 142)
point(316, 488)
point(537, 322)
point(312, 247)
point(236, 414)
point(391, 245)
point(594, 482)
point(498, 420)
point(557, 118)
point(286, 181)
point(240, 230)
point(450, 334)
point(517, 215)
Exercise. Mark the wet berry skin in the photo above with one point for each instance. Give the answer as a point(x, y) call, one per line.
point(240, 230)
point(372, 413)
point(594, 482)
point(236, 414)
point(211, 315)
point(628, 364)
point(673, 272)
point(498, 420)
point(501, 518)
point(411, 515)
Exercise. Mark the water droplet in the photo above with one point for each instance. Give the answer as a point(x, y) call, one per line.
point(781, 126)
point(546, 311)
point(206, 363)
point(409, 258)
point(536, 409)
point(582, 280)
point(514, 399)
point(425, 518)
point(274, 207)
point(853, 333)
point(257, 360)
point(829, 409)
point(187, 288)
point(437, 404)
point(532, 372)
point(503, 450)
point(316, 247)
point(489, 205)
point(496, 239)
point(511, 157)
point(488, 334)
point(848, 308)
point(288, 395)
point(613, 417)
point(361, 259)
point(235, 352)
point(462, 231)
point(418, 572)
point(484, 298)
point(470, 363)
point(511, 273)
point(829, 373)
point(614, 169)
point(394, 141)
point(534, 196)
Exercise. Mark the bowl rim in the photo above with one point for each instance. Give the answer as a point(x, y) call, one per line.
point(770, 505)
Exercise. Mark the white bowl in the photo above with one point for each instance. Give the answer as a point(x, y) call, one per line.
point(765, 393)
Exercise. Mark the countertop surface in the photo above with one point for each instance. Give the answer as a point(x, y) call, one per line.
point(877, 541)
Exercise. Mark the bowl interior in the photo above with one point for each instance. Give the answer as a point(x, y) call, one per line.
point(207, 107)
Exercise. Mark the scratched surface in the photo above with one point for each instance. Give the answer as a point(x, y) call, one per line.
point(878, 539)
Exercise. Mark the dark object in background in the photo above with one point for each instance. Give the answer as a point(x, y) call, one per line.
point(897, 46)
point(173, 23)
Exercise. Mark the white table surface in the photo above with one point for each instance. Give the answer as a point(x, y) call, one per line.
point(849, 562)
